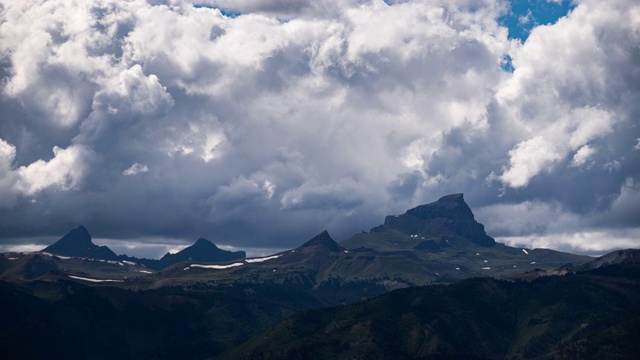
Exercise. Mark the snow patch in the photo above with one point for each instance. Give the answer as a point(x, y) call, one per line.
point(219, 267)
point(486, 268)
point(257, 260)
point(525, 251)
point(13, 258)
point(457, 268)
point(129, 262)
point(485, 260)
point(533, 262)
point(93, 280)
point(145, 271)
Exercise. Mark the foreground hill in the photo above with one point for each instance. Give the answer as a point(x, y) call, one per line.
point(593, 314)
point(56, 316)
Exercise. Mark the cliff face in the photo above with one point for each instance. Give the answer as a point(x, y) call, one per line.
point(449, 217)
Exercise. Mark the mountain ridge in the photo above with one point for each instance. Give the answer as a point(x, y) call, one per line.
point(78, 243)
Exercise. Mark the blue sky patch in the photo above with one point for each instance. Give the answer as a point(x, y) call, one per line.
point(225, 12)
point(524, 15)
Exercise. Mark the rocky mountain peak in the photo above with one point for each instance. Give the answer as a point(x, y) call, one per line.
point(78, 243)
point(322, 241)
point(202, 250)
point(203, 244)
point(449, 217)
point(451, 207)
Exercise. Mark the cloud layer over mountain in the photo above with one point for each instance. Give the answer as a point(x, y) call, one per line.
point(259, 123)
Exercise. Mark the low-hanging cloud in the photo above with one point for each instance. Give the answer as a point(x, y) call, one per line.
point(259, 123)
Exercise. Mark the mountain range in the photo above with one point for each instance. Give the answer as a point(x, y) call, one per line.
point(77, 243)
point(434, 285)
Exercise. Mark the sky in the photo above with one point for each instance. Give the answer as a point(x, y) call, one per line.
point(259, 123)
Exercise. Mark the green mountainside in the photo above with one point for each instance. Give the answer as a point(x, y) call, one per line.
point(593, 314)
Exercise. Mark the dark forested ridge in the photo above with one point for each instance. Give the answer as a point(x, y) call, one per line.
point(593, 314)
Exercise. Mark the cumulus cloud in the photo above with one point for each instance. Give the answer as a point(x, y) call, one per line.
point(63, 172)
point(258, 123)
point(136, 169)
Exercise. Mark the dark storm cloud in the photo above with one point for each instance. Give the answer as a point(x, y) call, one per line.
point(161, 122)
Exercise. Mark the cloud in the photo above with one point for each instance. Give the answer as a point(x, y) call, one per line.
point(63, 172)
point(174, 121)
point(135, 169)
point(528, 159)
point(582, 155)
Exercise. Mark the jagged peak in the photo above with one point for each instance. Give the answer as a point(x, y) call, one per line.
point(322, 240)
point(77, 242)
point(78, 234)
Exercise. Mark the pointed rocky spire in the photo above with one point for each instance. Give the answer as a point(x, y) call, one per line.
point(78, 243)
point(322, 241)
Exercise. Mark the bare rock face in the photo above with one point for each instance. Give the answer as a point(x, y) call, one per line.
point(449, 217)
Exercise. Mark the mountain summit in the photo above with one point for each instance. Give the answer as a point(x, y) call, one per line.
point(450, 217)
point(202, 250)
point(321, 242)
point(78, 243)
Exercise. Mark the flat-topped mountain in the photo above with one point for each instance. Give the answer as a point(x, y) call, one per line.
point(78, 243)
point(448, 218)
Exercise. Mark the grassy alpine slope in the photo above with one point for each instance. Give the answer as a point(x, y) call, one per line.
point(595, 314)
